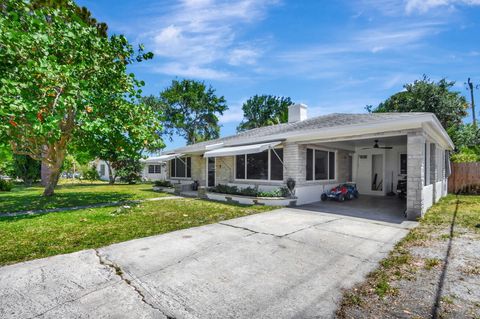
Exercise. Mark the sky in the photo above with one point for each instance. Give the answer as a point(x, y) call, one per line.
point(334, 56)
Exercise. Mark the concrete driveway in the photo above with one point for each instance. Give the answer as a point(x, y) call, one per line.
point(288, 263)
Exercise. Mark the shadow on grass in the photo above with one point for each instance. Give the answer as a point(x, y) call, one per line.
point(441, 281)
point(70, 199)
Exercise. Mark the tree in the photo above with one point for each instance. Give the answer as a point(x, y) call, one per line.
point(6, 160)
point(264, 110)
point(140, 132)
point(426, 95)
point(60, 78)
point(26, 168)
point(129, 170)
point(190, 109)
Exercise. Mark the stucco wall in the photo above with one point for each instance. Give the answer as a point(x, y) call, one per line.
point(198, 169)
point(224, 169)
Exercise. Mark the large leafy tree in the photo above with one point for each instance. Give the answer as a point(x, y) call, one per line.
point(139, 132)
point(425, 95)
point(59, 78)
point(264, 110)
point(190, 109)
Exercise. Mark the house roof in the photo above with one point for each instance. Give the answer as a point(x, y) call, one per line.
point(324, 122)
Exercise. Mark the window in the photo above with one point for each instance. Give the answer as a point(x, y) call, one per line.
point(154, 169)
point(276, 159)
point(403, 164)
point(181, 167)
point(260, 166)
point(257, 165)
point(102, 170)
point(240, 167)
point(309, 164)
point(320, 165)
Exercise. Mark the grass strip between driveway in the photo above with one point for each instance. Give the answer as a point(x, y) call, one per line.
point(453, 216)
point(30, 237)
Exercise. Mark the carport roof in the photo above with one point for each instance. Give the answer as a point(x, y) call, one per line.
point(324, 122)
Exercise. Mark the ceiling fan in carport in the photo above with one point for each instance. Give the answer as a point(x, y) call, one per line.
point(376, 146)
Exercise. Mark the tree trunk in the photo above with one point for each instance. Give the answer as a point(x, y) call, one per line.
point(111, 177)
point(53, 160)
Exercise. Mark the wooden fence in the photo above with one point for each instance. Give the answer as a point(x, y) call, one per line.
point(465, 178)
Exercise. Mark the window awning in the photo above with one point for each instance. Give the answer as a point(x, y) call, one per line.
point(162, 158)
point(239, 150)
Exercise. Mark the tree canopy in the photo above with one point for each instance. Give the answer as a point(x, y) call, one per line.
point(190, 109)
point(60, 79)
point(425, 95)
point(263, 110)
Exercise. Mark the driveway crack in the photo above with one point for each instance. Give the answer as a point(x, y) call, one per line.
point(120, 273)
point(250, 230)
point(274, 235)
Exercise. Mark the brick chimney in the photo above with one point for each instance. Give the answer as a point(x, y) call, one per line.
point(297, 113)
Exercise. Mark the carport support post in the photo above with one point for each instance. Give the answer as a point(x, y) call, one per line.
point(415, 174)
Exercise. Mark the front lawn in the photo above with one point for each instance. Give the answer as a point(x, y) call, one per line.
point(29, 237)
point(69, 195)
point(432, 273)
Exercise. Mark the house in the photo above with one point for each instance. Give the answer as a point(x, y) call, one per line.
point(373, 150)
point(152, 169)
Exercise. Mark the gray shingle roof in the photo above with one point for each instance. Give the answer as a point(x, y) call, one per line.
point(324, 121)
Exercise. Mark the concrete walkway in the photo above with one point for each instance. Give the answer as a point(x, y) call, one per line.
point(288, 263)
point(63, 209)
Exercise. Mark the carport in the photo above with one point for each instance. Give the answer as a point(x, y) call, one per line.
point(389, 209)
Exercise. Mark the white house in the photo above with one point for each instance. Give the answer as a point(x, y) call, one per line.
point(153, 169)
point(372, 150)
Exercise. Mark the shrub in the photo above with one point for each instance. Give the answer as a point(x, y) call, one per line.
point(225, 189)
point(27, 169)
point(279, 192)
point(163, 184)
point(91, 174)
point(5, 186)
point(249, 191)
point(129, 170)
point(466, 155)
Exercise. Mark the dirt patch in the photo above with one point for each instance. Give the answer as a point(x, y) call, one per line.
point(430, 274)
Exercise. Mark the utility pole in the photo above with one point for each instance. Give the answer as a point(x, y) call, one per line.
point(470, 86)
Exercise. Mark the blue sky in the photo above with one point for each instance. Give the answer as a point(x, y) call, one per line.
point(334, 56)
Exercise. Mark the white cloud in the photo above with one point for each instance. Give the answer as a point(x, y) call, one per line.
point(243, 56)
point(199, 33)
point(423, 6)
point(372, 40)
point(192, 71)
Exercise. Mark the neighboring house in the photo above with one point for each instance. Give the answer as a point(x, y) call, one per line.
point(374, 150)
point(153, 169)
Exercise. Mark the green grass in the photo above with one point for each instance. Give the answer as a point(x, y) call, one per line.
point(468, 213)
point(462, 211)
point(23, 198)
point(30, 237)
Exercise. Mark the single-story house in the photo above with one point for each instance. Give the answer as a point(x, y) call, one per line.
point(373, 150)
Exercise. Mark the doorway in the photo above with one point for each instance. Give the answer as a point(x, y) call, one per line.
point(370, 172)
point(211, 171)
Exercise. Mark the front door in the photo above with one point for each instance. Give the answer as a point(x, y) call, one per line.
point(211, 172)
